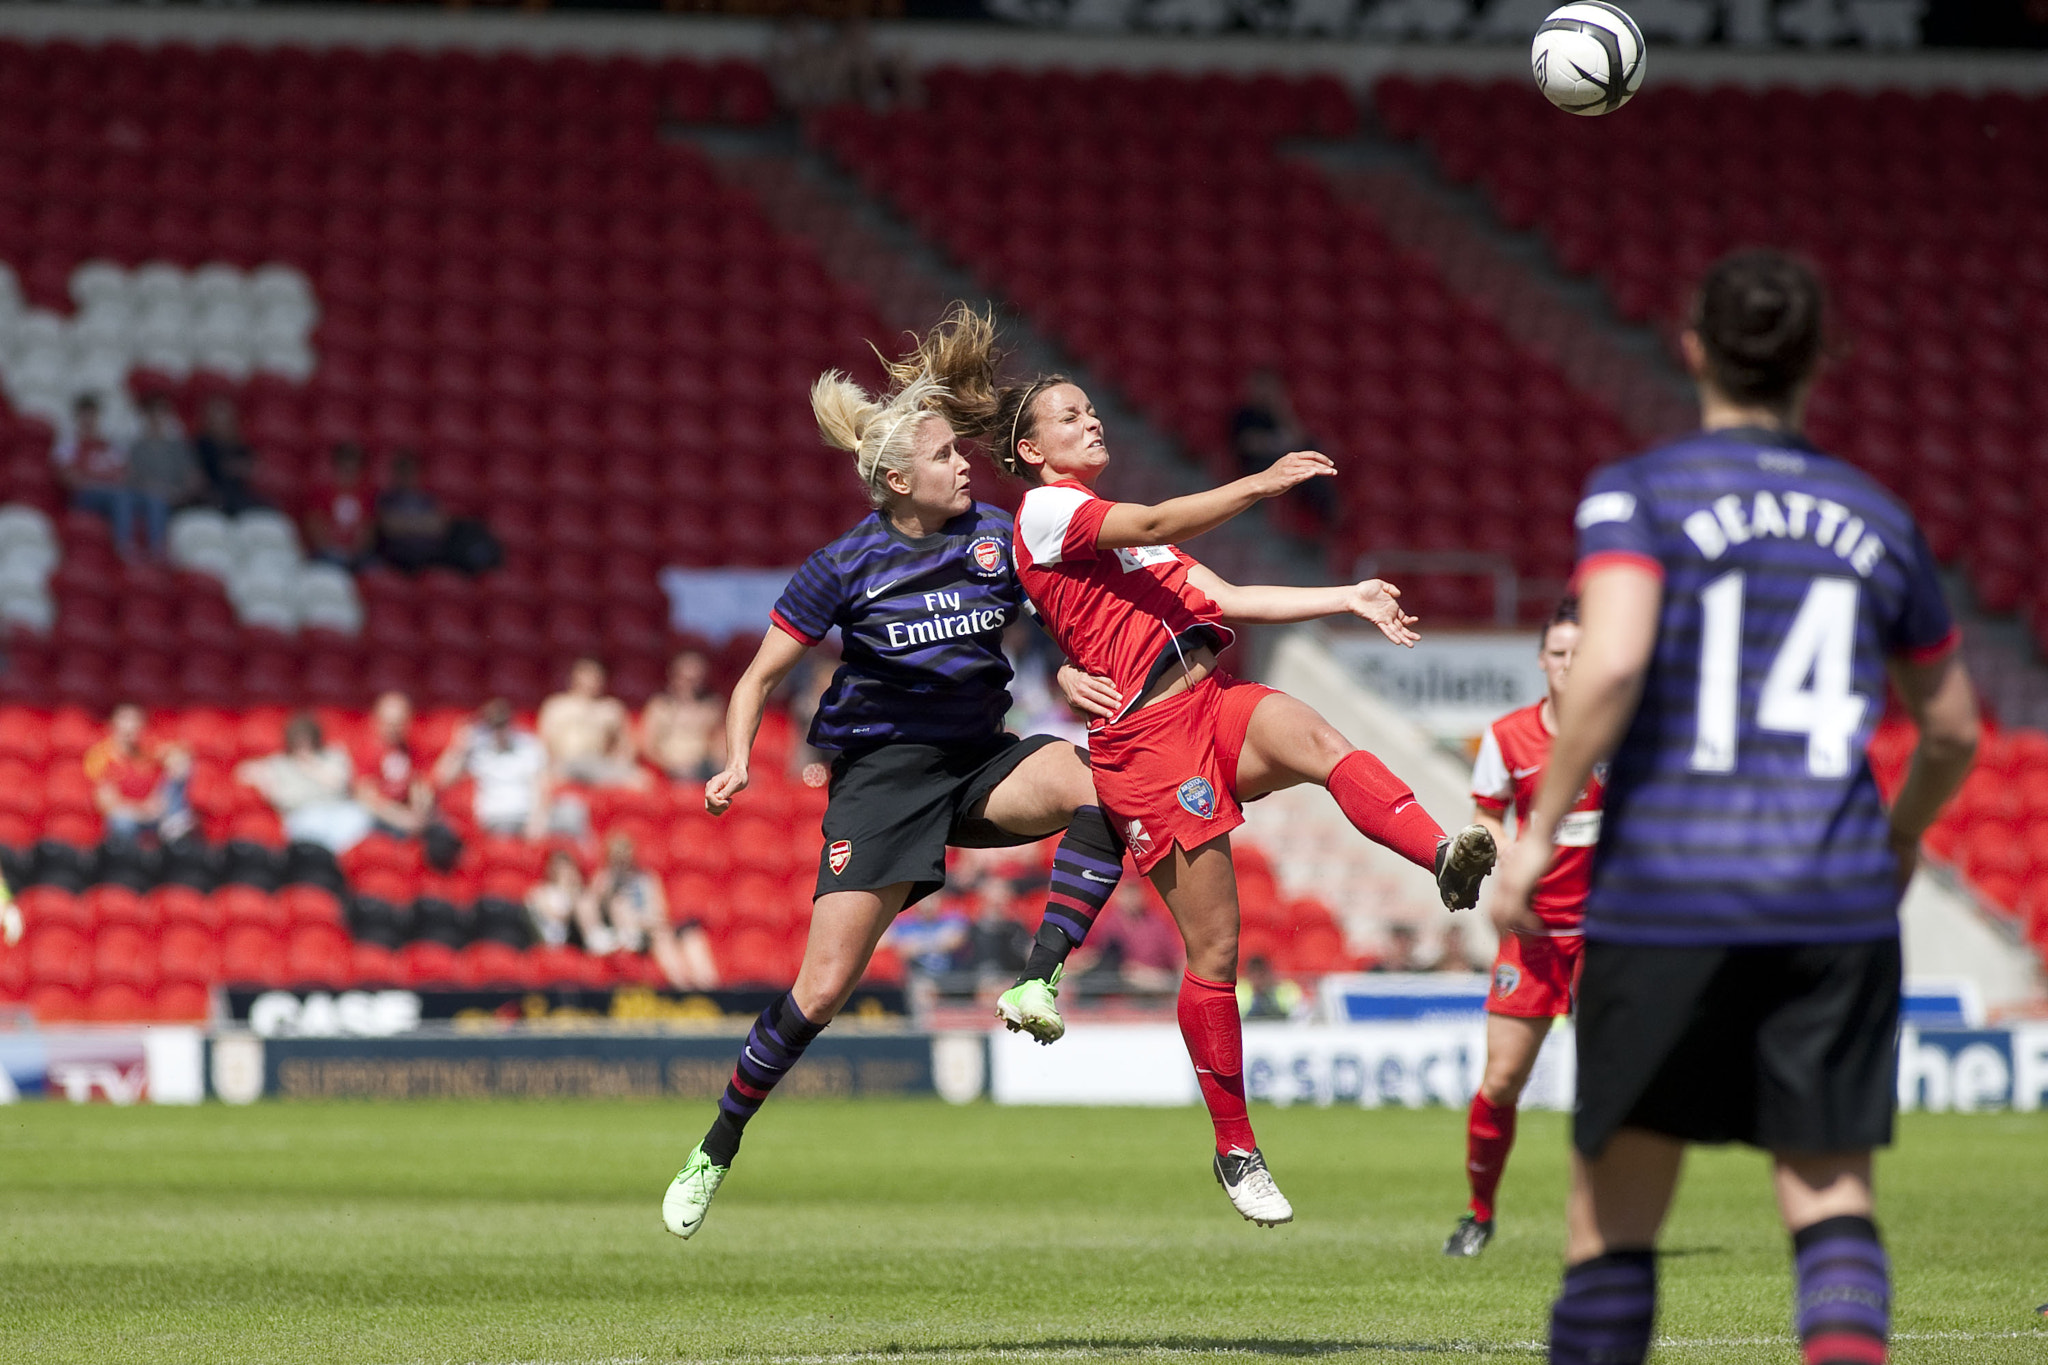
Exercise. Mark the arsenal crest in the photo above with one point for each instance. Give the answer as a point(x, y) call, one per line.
point(986, 555)
point(1198, 798)
point(838, 856)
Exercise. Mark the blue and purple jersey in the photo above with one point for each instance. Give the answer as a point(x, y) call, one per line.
point(1740, 805)
point(921, 624)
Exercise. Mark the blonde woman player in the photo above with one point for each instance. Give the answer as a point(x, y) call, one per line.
point(1186, 743)
point(920, 591)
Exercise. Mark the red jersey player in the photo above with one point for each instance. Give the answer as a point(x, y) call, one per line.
point(1534, 977)
point(1187, 744)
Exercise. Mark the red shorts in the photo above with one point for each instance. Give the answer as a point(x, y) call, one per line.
point(1168, 774)
point(1535, 977)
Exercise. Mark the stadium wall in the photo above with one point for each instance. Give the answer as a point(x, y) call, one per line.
point(989, 44)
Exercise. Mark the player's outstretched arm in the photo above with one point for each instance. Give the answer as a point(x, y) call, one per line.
point(779, 653)
point(1131, 524)
point(1943, 704)
point(1268, 605)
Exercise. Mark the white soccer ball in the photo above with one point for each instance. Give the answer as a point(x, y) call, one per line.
point(1588, 58)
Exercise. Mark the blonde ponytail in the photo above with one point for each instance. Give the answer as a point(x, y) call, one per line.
point(881, 435)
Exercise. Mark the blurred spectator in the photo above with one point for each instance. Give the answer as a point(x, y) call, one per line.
point(161, 471)
point(1130, 947)
point(930, 937)
point(1264, 428)
point(552, 904)
point(394, 786)
point(1262, 995)
point(94, 470)
point(1400, 954)
point(589, 736)
point(804, 689)
point(309, 785)
point(997, 945)
point(226, 461)
point(412, 528)
point(339, 525)
point(139, 787)
point(682, 727)
point(1037, 706)
point(814, 62)
point(1452, 955)
point(626, 911)
point(514, 794)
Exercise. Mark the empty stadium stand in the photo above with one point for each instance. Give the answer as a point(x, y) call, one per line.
point(1925, 212)
point(596, 346)
point(1155, 227)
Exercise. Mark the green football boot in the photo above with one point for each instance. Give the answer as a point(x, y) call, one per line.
point(689, 1194)
point(1033, 1007)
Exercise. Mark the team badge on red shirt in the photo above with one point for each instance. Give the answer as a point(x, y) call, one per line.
point(1198, 798)
point(1505, 979)
point(986, 555)
point(838, 856)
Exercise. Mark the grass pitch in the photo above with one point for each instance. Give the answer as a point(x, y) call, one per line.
point(528, 1232)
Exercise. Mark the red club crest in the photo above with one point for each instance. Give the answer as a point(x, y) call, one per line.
point(838, 856)
point(987, 554)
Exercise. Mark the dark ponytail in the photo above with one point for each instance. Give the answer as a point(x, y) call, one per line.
point(960, 353)
point(1759, 316)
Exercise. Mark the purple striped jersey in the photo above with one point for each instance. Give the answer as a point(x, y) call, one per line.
point(921, 628)
point(1740, 805)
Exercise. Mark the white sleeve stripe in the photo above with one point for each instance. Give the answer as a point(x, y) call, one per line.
point(1490, 777)
point(1043, 519)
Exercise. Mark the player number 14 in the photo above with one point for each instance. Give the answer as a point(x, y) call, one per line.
point(1807, 692)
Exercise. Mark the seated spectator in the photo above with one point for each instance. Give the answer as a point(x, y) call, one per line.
point(625, 910)
point(1262, 995)
point(94, 470)
point(1400, 955)
point(930, 936)
point(803, 690)
point(226, 461)
point(1264, 428)
point(309, 785)
point(339, 526)
point(1452, 955)
point(412, 528)
point(514, 793)
point(1130, 948)
point(552, 904)
point(161, 471)
point(139, 787)
point(392, 782)
point(682, 728)
point(589, 736)
point(997, 945)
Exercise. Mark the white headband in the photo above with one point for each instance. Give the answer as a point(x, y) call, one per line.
point(1022, 404)
point(883, 444)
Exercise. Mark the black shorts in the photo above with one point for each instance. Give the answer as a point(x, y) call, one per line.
point(1787, 1047)
point(894, 809)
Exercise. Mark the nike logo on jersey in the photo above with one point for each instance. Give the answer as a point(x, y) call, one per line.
point(1521, 773)
point(1111, 881)
point(873, 593)
point(1403, 806)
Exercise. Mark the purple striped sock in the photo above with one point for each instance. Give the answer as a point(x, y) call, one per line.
point(1843, 1311)
point(1605, 1310)
point(1085, 869)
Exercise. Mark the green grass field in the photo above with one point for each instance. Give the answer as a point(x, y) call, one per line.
point(529, 1232)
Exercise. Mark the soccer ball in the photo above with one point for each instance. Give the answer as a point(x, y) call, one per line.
point(1588, 58)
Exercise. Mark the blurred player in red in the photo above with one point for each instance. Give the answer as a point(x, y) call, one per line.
point(1535, 977)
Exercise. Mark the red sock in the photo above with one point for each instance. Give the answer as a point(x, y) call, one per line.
point(1380, 806)
point(1215, 1038)
point(1489, 1136)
